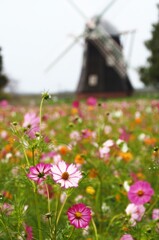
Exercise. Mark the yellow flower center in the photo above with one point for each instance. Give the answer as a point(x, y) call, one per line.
point(140, 193)
point(78, 215)
point(65, 176)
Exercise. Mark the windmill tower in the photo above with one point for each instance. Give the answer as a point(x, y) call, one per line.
point(104, 72)
point(3, 78)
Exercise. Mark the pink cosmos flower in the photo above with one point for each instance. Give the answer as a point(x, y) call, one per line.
point(140, 192)
point(136, 212)
point(4, 103)
point(39, 172)
point(53, 156)
point(3, 134)
point(155, 103)
point(105, 149)
point(91, 101)
point(65, 174)
point(104, 152)
point(31, 122)
point(155, 214)
point(134, 177)
point(126, 237)
point(49, 155)
point(29, 232)
point(124, 135)
point(86, 133)
point(7, 208)
point(76, 104)
point(109, 143)
point(75, 135)
point(79, 215)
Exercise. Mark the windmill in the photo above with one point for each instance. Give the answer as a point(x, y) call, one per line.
point(104, 71)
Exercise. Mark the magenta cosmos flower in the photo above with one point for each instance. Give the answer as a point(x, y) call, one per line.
point(31, 122)
point(39, 172)
point(67, 175)
point(29, 232)
point(79, 215)
point(126, 237)
point(140, 192)
point(91, 101)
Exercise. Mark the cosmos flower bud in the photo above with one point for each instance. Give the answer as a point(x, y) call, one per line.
point(46, 95)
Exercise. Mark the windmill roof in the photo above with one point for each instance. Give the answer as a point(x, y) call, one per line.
point(109, 27)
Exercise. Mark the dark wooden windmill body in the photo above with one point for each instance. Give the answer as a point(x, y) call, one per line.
point(104, 71)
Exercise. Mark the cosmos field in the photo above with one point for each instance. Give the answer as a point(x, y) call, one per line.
point(81, 170)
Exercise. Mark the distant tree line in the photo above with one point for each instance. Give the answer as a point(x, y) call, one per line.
point(3, 78)
point(149, 74)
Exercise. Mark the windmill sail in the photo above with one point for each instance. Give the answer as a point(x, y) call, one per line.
point(109, 48)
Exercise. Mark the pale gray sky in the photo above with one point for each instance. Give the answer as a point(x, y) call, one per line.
point(34, 32)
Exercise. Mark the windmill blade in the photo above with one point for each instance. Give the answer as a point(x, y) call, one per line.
point(131, 46)
point(127, 32)
point(56, 60)
point(77, 9)
point(106, 9)
point(110, 49)
point(82, 14)
point(63, 53)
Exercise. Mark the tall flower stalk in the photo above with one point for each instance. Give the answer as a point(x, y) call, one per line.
point(60, 211)
point(6, 229)
point(45, 96)
point(58, 214)
point(95, 229)
point(41, 106)
point(38, 216)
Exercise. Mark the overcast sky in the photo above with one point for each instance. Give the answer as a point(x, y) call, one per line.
point(34, 32)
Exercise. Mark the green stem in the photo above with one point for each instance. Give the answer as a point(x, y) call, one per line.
point(112, 220)
point(6, 229)
point(100, 192)
point(152, 206)
point(49, 209)
point(95, 229)
point(26, 157)
point(48, 198)
point(73, 229)
point(56, 210)
point(60, 211)
point(41, 105)
point(33, 156)
point(59, 214)
point(38, 217)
